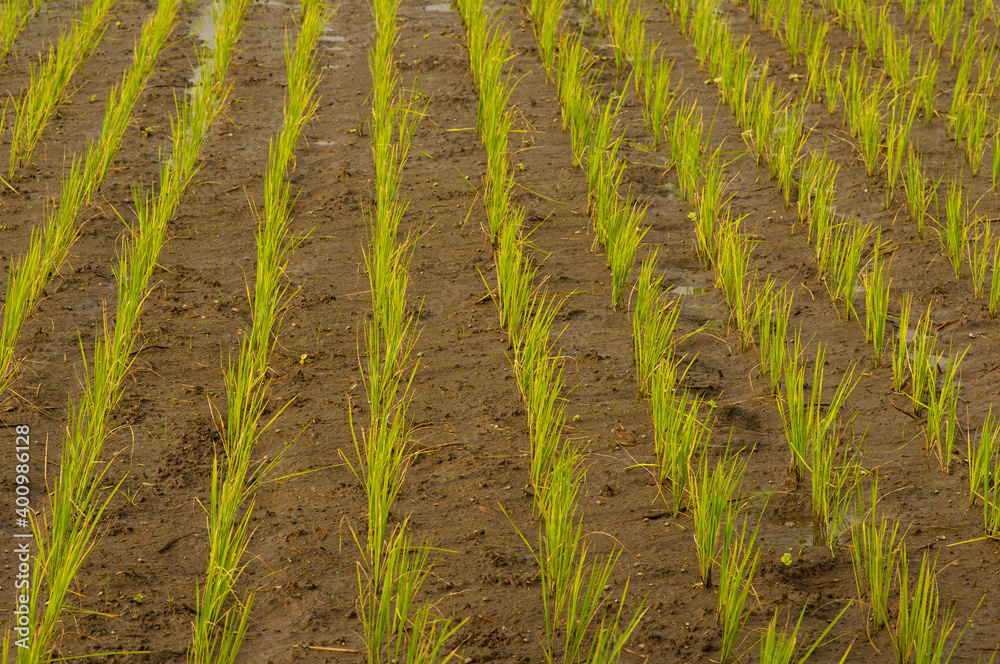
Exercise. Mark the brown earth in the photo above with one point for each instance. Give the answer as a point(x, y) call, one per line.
point(466, 494)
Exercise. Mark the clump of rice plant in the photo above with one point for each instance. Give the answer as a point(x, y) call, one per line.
point(623, 242)
point(806, 424)
point(897, 138)
point(900, 346)
point(995, 281)
point(847, 244)
point(978, 254)
point(653, 88)
point(712, 496)
point(783, 648)
point(653, 323)
point(545, 17)
point(955, 234)
point(737, 568)
point(876, 285)
point(924, 83)
point(921, 631)
point(680, 434)
point(918, 193)
point(876, 545)
point(984, 463)
point(772, 331)
point(942, 408)
point(922, 363)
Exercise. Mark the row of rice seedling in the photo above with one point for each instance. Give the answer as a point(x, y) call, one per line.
point(221, 618)
point(14, 16)
point(578, 626)
point(920, 629)
point(49, 246)
point(49, 83)
point(396, 625)
point(967, 119)
point(811, 437)
point(680, 434)
point(65, 533)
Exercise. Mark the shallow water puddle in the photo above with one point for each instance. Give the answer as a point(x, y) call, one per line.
point(441, 7)
point(688, 290)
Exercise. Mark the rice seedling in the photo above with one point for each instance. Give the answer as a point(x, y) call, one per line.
point(635, 44)
point(896, 60)
point(918, 193)
point(924, 83)
point(49, 83)
point(653, 323)
point(917, 634)
point(578, 103)
point(573, 585)
point(834, 479)
point(624, 244)
point(876, 545)
point(712, 494)
point(782, 648)
point(832, 84)
point(869, 22)
point(546, 16)
point(876, 285)
point(897, 138)
point(515, 277)
point(654, 91)
point(995, 281)
point(976, 133)
point(732, 266)
point(790, 139)
point(395, 627)
point(869, 130)
point(679, 435)
point(806, 427)
point(797, 31)
point(603, 166)
point(737, 568)
point(854, 95)
point(536, 343)
point(942, 408)
point(772, 330)
point(546, 417)
point(921, 363)
point(847, 244)
point(709, 198)
point(982, 460)
point(955, 234)
point(817, 58)
point(939, 21)
point(978, 254)
point(958, 114)
point(817, 195)
point(617, 20)
point(955, 29)
point(686, 146)
point(995, 162)
point(900, 355)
